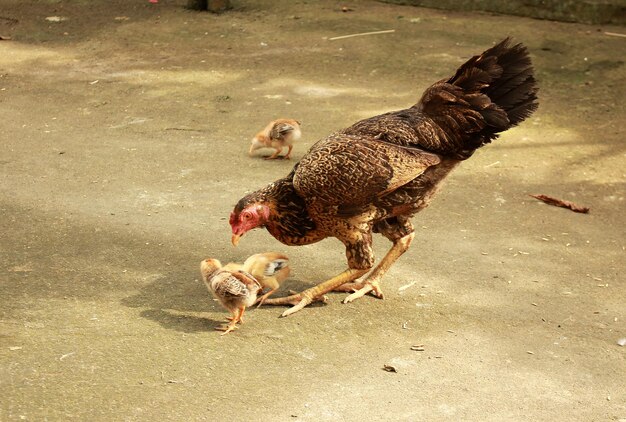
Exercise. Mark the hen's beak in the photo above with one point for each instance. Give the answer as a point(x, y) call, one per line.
point(235, 239)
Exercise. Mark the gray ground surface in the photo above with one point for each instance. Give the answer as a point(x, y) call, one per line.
point(124, 132)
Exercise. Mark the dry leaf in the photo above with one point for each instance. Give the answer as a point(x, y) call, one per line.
point(561, 203)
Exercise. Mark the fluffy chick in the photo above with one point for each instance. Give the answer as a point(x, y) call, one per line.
point(270, 269)
point(235, 289)
point(277, 134)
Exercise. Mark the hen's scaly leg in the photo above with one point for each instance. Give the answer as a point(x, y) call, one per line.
point(370, 284)
point(306, 297)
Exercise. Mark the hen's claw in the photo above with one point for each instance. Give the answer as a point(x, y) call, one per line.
point(316, 293)
point(349, 287)
point(299, 306)
point(368, 287)
point(299, 302)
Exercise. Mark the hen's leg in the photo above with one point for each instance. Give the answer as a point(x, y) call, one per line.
point(306, 297)
point(370, 284)
point(360, 259)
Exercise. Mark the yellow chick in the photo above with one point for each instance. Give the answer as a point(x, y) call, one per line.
point(270, 269)
point(277, 134)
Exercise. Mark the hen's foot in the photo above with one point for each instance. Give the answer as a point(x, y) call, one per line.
point(316, 293)
point(295, 299)
point(370, 284)
point(349, 287)
point(371, 287)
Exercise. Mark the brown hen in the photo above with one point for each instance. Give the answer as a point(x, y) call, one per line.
point(375, 175)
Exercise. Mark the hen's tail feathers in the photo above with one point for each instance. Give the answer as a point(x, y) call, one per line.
point(488, 94)
point(505, 74)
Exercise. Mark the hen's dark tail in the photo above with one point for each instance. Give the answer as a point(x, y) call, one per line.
point(487, 95)
point(504, 74)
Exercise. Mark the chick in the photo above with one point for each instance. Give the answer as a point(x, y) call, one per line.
point(270, 269)
point(235, 289)
point(277, 134)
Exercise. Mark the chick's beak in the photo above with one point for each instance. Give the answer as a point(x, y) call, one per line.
point(235, 239)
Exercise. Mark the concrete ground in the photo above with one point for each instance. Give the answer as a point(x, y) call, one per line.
point(124, 131)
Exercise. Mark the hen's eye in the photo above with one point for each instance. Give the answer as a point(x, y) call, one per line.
point(246, 216)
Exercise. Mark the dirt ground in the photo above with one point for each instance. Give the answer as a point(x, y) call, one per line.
point(124, 130)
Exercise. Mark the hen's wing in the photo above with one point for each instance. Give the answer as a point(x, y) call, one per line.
point(351, 171)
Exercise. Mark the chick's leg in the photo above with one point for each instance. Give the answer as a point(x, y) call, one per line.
point(262, 299)
point(288, 155)
point(370, 284)
point(237, 314)
point(274, 155)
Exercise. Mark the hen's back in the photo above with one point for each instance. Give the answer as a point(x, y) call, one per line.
point(487, 95)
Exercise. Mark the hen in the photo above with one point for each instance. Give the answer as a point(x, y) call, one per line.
point(375, 175)
point(277, 134)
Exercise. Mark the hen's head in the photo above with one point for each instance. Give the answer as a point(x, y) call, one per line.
point(247, 216)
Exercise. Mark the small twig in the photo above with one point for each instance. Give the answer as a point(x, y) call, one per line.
point(615, 34)
point(406, 286)
point(66, 355)
point(388, 31)
point(561, 203)
point(185, 129)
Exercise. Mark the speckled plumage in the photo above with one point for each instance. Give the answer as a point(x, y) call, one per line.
point(374, 175)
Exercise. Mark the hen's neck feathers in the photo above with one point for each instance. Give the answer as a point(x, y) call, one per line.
point(289, 221)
